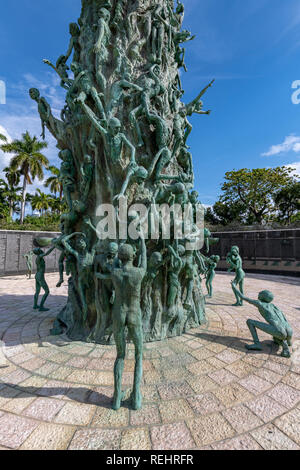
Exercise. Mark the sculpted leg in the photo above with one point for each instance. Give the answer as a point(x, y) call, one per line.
point(46, 289)
point(253, 325)
point(36, 295)
point(238, 299)
point(119, 336)
point(133, 116)
point(61, 269)
point(81, 290)
point(136, 334)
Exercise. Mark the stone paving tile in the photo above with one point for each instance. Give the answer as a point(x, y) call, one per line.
point(96, 439)
point(136, 439)
point(171, 437)
point(228, 356)
point(14, 430)
point(175, 410)
point(290, 425)
point(266, 408)
point(43, 409)
point(271, 438)
point(241, 419)
point(245, 442)
point(293, 380)
point(222, 377)
point(268, 375)
point(255, 384)
point(210, 428)
point(108, 418)
point(174, 390)
point(149, 414)
point(201, 384)
point(240, 369)
point(206, 403)
point(285, 395)
point(76, 414)
point(232, 394)
point(49, 437)
point(17, 404)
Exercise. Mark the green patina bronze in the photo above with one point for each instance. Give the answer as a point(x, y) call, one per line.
point(236, 264)
point(277, 325)
point(29, 263)
point(40, 282)
point(211, 265)
point(123, 132)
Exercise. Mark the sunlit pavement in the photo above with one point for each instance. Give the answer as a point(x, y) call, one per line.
point(201, 391)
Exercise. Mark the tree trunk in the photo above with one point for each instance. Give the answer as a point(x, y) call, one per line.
point(23, 202)
point(126, 63)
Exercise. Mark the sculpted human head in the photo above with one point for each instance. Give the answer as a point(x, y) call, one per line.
point(126, 253)
point(266, 296)
point(34, 94)
point(114, 126)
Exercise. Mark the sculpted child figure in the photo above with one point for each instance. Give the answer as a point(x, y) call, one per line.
point(276, 326)
point(212, 263)
point(127, 281)
point(236, 264)
point(40, 282)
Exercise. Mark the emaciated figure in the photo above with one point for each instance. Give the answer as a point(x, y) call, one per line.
point(85, 260)
point(236, 264)
point(40, 282)
point(29, 263)
point(211, 263)
point(126, 312)
point(276, 326)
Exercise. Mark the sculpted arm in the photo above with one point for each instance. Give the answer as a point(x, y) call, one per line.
point(144, 253)
point(195, 101)
point(48, 252)
point(256, 303)
point(92, 116)
point(130, 146)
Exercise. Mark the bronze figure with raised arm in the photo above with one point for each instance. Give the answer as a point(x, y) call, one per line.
point(276, 326)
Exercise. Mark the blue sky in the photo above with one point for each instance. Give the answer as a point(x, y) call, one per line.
point(251, 48)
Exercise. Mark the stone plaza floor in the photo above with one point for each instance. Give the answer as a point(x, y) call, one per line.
point(201, 391)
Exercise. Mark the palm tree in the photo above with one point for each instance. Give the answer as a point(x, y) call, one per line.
point(3, 138)
point(54, 182)
point(13, 177)
point(11, 194)
point(41, 201)
point(29, 160)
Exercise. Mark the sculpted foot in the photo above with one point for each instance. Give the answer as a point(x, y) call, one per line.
point(136, 400)
point(286, 353)
point(254, 347)
point(36, 307)
point(44, 309)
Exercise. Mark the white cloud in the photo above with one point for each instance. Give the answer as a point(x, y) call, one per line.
point(290, 144)
point(296, 168)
